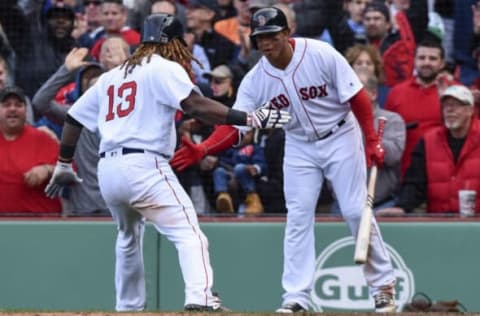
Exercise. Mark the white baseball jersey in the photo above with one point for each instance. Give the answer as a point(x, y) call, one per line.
point(315, 88)
point(136, 112)
point(321, 99)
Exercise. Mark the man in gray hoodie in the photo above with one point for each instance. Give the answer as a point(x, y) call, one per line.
point(83, 199)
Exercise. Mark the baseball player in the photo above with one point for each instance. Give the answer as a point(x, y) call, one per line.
point(323, 140)
point(133, 107)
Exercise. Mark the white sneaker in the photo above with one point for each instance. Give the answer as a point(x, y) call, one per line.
point(384, 303)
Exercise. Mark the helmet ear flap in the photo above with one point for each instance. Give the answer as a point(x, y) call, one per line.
point(253, 41)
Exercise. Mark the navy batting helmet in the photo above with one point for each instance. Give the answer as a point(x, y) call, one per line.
point(162, 28)
point(267, 20)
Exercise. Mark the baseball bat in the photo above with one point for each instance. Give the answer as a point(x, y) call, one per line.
point(363, 235)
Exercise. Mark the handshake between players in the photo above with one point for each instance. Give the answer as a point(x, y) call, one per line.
point(264, 117)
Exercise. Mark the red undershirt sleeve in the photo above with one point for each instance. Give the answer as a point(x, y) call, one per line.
point(222, 138)
point(363, 110)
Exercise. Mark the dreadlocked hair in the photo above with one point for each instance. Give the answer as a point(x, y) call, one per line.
point(174, 50)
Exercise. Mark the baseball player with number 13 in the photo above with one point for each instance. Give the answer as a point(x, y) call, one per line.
point(324, 140)
point(133, 107)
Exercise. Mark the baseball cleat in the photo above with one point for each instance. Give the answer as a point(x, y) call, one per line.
point(291, 308)
point(200, 308)
point(384, 303)
point(216, 307)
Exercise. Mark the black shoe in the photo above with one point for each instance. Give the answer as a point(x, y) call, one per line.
point(200, 308)
point(290, 308)
point(216, 307)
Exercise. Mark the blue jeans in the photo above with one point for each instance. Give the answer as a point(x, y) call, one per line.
point(222, 176)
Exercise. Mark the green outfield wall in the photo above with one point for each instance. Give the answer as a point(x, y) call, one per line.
point(68, 265)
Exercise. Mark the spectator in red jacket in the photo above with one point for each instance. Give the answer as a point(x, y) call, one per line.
point(26, 161)
point(445, 160)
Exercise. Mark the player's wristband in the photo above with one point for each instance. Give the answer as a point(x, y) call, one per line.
point(235, 117)
point(66, 153)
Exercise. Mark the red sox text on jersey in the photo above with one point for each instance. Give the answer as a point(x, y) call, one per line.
point(312, 92)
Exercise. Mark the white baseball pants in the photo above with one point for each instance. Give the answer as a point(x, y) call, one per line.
point(143, 185)
point(340, 158)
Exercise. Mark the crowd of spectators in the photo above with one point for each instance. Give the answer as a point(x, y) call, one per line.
point(418, 60)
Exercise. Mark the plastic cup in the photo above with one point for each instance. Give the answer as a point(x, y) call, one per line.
point(467, 201)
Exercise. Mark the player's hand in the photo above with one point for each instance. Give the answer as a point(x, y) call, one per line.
point(268, 117)
point(375, 153)
point(63, 175)
point(189, 154)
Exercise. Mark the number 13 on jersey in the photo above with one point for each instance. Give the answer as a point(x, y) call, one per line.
point(126, 93)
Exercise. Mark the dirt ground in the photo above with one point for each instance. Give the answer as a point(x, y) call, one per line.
point(215, 314)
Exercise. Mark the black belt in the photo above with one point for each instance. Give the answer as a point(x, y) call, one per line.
point(330, 132)
point(126, 151)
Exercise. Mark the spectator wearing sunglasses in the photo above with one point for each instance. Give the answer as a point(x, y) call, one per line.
point(221, 83)
point(88, 25)
point(92, 13)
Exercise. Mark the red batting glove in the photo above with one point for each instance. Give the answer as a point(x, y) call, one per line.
point(189, 154)
point(375, 153)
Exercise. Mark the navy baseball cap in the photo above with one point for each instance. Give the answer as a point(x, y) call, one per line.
point(13, 90)
point(210, 4)
point(378, 7)
point(60, 8)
